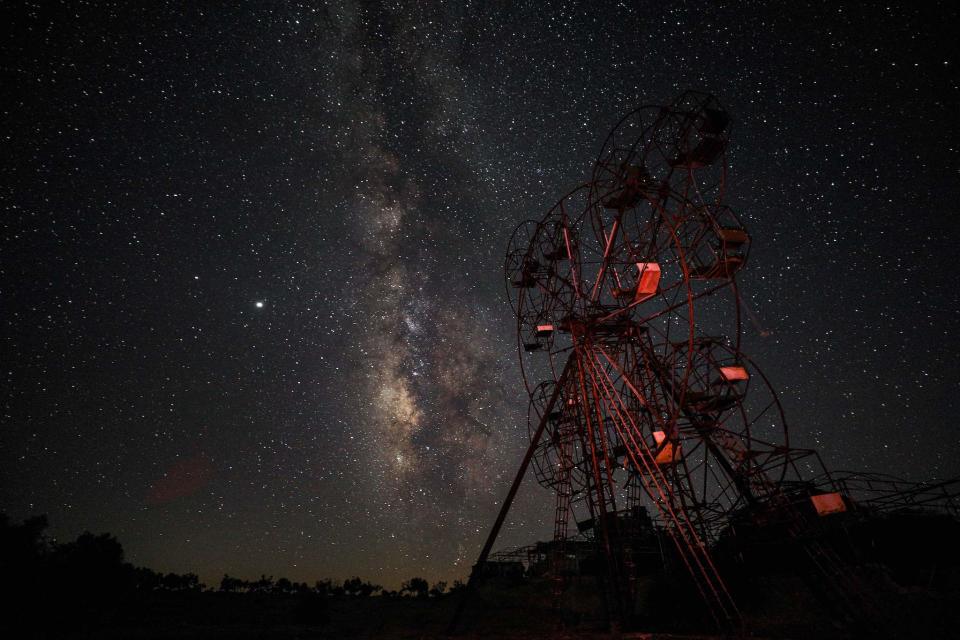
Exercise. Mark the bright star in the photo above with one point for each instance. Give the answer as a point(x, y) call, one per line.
point(259, 305)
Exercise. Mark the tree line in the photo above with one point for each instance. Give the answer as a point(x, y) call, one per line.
point(350, 588)
point(87, 581)
point(26, 552)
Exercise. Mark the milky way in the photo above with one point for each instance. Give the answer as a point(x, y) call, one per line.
point(253, 311)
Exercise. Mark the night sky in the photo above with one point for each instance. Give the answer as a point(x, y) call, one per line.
point(253, 315)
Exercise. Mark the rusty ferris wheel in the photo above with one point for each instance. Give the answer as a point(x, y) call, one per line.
point(629, 334)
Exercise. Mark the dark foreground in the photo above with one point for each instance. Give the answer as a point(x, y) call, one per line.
point(84, 589)
point(498, 611)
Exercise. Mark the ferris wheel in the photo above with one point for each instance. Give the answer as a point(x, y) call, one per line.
point(628, 330)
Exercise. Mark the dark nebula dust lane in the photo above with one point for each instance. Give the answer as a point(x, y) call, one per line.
point(253, 317)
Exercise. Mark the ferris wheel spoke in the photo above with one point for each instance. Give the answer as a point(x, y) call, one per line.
point(756, 418)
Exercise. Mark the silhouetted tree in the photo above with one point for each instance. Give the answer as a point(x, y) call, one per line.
point(87, 583)
point(232, 585)
point(416, 586)
point(146, 580)
point(22, 544)
point(263, 585)
point(438, 589)
point(178, 582)
point(23, 549)
point(357, 587)
point(92, 565)
point(323, 587)
point(301, 588)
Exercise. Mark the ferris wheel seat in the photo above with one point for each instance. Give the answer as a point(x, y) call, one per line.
point(616, 328)
point(722, 268)
point(828, 503)
point(624, 199)
point(715, 121)
point(636, 182)
point(708, 402)
point(544, 330)
point(734, 373)
point(715, 244)
point(525, 281)
point(560, 253)
point(704, 154)
point(667, 452)
point(711, 144)
point(648, 280)
point(733, 237)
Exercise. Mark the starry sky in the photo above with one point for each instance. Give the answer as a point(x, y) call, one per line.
point(253, 315)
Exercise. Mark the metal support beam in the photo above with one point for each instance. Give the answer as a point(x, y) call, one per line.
point(505, 507)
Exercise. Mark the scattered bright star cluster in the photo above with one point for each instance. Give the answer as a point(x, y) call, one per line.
point(253, 316)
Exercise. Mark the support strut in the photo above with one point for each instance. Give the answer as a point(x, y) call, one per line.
point(477, 570)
